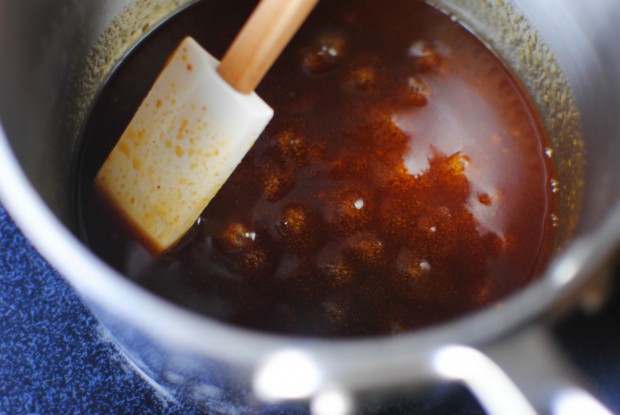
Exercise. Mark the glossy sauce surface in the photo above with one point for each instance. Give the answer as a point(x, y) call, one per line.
point(402, 182)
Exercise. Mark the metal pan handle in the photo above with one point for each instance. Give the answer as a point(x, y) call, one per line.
point(524, 373)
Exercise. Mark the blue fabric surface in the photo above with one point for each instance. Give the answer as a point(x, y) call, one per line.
point(53, 359)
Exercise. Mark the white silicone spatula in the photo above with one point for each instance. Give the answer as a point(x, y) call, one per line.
point(195, 125)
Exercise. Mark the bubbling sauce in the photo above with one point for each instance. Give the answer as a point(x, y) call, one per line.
point(401, 183)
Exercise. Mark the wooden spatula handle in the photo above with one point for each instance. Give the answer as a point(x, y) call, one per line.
point(271, 26)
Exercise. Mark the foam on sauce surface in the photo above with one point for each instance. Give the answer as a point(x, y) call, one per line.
point(402, 182)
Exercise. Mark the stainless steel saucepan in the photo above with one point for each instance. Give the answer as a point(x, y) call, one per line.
point(55, 54)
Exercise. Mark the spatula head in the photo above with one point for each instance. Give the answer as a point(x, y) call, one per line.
point(185, 140)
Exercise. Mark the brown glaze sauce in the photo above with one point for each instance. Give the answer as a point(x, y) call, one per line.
point(401, 183)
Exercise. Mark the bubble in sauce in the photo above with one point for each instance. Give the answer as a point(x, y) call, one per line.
point(366, 249)
point(426, 55)
point(236, 237)
point(555, 185)
point(335, 269)
point(417, 92)
point(256, 262)
point(277, 181)
point(337, 312)
point(361, 79)
point(324, 55)
point(347, 207)
point(297, 226)
point(411, 266)
point(296, 149)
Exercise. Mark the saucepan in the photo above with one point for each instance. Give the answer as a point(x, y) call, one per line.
point(57, 53)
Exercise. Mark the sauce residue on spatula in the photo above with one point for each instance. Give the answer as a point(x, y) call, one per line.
point(402, 182)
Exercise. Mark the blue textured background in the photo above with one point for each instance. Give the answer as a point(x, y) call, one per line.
point(54, 360)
